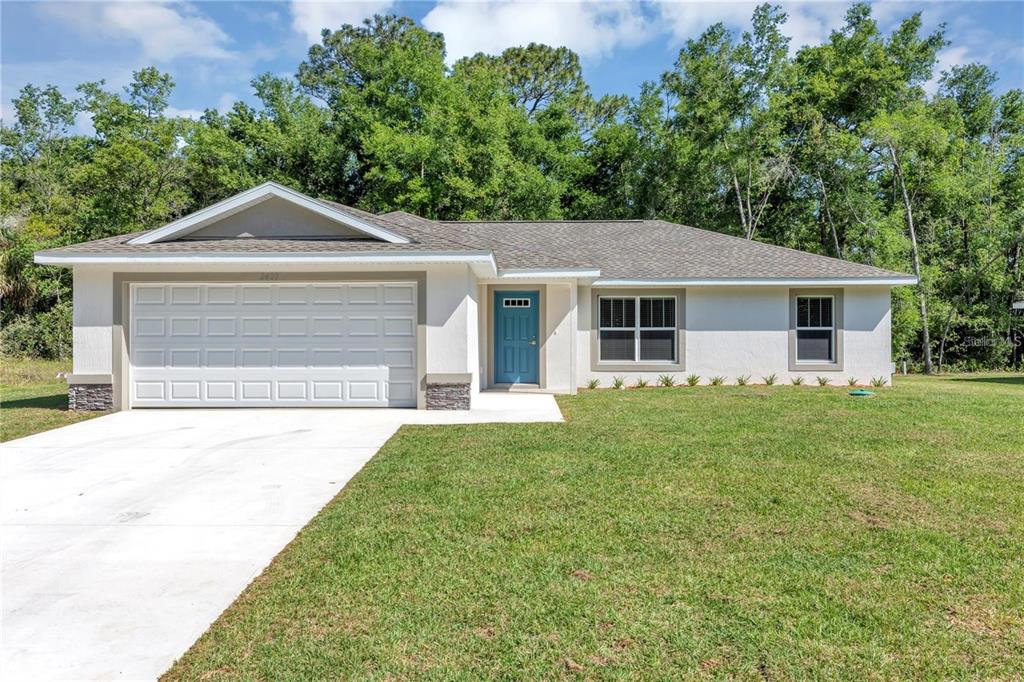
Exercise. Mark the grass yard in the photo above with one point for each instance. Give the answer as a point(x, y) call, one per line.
point(751, 532)
point(32, 398)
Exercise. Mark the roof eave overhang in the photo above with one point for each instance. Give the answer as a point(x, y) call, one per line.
point(761, 282)
point(549, 273)
point(482, 262)
point(251, 197)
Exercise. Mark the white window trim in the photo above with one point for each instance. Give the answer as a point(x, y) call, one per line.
point(831, 329)
point(637, 329)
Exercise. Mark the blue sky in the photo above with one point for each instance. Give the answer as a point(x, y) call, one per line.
point(213, 49)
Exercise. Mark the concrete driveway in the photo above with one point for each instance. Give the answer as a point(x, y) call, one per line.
point(124, 537)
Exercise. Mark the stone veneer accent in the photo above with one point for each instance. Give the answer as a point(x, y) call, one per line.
point(90, 397)
point(448, 396)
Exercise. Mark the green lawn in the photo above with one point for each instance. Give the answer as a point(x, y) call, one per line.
point(752, 532)
point(32, 398)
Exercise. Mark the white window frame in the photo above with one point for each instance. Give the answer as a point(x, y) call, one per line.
point(637, 329)
point(832, 330)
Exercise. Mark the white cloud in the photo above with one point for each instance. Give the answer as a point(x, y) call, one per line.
point(309, 18)
point(226, 101)
point(807, 23)
point(686, 20)
point(175, 112)
point(591, 29)
point(164, 31)
point(945, 61)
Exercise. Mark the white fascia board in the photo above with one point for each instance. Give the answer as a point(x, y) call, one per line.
point(484, 259)
point(561, 273)
point(200, 218)
point(760, 282)
point(1018, 305)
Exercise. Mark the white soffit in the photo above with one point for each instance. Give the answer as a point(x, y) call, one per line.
point(251, 197)
point(559, 273)
point(760, 282)
point(482, 262)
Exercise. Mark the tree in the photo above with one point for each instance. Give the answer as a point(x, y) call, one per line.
point(836, 149)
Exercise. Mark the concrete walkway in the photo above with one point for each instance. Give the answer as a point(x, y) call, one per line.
point(124, 537)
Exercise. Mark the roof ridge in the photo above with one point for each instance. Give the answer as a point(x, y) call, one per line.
point(547, 222)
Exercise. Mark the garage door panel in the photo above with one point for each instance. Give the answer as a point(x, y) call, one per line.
point(399, 294)
point(288, 295)
point(292, 390)
point(399, 326)
point(185, 295)
point(221, 390)
point(255, 295)
point(149, 295)
point(185, 326)
point(363, 294)
point(149, 390)
point(185, 357)
point(400, 391)
point(246, 344)
point(149, 326)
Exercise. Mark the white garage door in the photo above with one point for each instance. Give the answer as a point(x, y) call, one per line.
point(272, 345)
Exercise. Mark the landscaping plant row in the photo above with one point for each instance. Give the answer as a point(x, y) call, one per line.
point(669, 380)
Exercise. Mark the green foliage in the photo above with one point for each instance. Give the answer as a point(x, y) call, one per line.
point(851, 381)
point(618, 382)
point(797, 381)
point(640, 383)
point(823, 381)
point(43, 335)
point(717, 381)
point(593, 383)
point(692, 379)
point(743, 380)
point(879, 382)
point(667, 380)
point(834, 149)
point(770, 379)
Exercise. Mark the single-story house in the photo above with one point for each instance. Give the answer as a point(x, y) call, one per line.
point(273, 298)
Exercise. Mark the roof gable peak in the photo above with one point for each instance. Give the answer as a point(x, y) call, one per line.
point(257, 195)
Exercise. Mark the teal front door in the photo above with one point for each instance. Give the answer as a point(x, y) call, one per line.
point(516, 343)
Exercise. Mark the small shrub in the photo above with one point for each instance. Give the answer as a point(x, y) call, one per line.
point(879, 382)
point(640, 383)
point(852, 381)
point(717, 381)
point(797, 381)
point(770, 379)
point(743, 380)
point(618, 382)
point(593, 383)
point(667, 380)
point(823, 381)
point(692, 379)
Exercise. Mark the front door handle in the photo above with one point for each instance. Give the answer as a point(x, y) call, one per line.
point(533, 342)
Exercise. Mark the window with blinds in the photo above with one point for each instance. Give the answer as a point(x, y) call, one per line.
point(815, 329)
point(637, 329)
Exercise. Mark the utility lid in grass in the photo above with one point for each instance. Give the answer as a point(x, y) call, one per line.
point(861, 392)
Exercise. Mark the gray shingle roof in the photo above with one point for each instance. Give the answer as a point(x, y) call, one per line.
point(620, 249)
point(655, 249)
